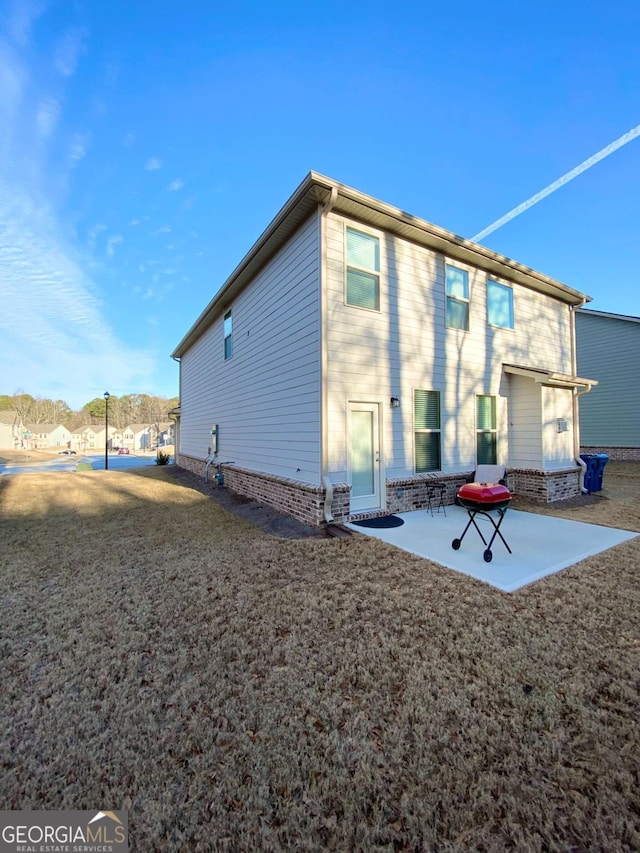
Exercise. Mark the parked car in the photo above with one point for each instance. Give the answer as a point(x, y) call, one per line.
point(124, 451)
point(66, 453)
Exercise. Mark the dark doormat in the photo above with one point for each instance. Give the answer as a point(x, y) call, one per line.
point(383, 521)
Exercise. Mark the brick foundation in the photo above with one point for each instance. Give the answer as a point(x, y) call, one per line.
point(617, 454)
point(545, 486)
point(406, 494)
point(304, 501)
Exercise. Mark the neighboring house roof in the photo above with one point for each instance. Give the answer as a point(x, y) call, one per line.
point(138, 427)
point(608, 314)
point(44, 428)
point(317, 189)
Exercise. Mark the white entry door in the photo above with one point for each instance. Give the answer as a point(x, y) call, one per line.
point(364, 456)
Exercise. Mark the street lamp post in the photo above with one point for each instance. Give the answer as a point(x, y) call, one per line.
point(106, 430)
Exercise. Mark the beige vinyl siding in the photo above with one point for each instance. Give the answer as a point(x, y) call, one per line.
point(557, 447)
point(525, 420)
point(266, 397)
point(406, 345)
point(608, 349)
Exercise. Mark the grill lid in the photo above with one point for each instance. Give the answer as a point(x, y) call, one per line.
point(484, 493)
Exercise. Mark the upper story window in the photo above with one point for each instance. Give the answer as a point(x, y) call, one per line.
point(457, 298)
point(499, 304)
point(228, 335)
point(486, 430)
point(363, 270)
point(426, 415)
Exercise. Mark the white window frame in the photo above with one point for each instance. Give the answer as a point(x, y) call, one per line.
point(508, 287)
point(372, 272)
point(227, 336)
point(491, 431)
point(459, 299)
point(429, 431)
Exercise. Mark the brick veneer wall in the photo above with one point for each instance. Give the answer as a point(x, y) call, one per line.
point(406, 494)
point(545, 486)
point(304, 501)
point(619, 454)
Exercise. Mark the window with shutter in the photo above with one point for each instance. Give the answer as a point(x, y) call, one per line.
point(486, 430)
point(427, 431)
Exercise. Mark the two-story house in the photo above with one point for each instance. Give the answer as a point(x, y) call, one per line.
point(11, 430)
point(138, 436)
point(358, 352)
point(48, 436)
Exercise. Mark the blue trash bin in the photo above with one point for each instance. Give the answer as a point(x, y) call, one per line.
point(601, 460)
point(593, 477)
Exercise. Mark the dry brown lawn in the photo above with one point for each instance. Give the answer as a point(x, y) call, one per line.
point(239, 692)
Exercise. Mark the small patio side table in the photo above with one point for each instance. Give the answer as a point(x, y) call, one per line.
point(435, 496)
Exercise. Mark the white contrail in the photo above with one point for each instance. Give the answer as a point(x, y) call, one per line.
point(587, 164)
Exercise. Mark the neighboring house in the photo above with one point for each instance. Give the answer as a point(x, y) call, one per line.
point(357, 353)
point(86, 438)
point(91, 438)
point(138, 436)
point(608, 347)
point(48, 436)
point(11, 430)
point(162, 434)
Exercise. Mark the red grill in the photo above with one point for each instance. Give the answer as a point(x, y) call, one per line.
point(483, 499)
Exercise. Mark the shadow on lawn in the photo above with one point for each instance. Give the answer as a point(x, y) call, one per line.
point(233, 691)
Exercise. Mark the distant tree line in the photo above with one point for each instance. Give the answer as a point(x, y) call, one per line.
point(125, 410)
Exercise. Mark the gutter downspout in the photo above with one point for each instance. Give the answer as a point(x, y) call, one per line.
point(324, 444)
point(175, 418)
point(576, 395)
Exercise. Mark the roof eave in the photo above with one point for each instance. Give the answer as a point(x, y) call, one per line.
point(315, 189)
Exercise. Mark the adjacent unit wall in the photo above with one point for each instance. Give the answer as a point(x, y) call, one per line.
point(608, 349)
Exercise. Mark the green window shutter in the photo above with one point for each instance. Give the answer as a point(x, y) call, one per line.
point(485, 412)
point(427, 409)
point(427, 452)
point(427, 431)
point(486, 450)
point(486, 435)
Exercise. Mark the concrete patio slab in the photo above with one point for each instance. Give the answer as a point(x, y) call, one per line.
point(541, 544)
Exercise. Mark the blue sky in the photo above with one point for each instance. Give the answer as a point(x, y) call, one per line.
point(146, 145)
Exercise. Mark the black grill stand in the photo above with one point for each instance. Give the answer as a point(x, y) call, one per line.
point(472, 512)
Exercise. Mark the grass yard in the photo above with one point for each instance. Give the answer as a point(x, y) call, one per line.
point(235, 691)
